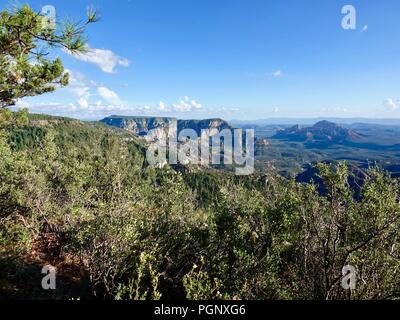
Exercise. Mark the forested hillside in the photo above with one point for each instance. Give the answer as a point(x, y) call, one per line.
point(79, 196)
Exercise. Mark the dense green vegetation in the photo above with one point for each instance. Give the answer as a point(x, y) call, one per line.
point(79, 196)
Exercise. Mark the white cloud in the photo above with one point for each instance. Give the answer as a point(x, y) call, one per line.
point(276, 73)
point(228, 110)
point(83, 89)
point(83, 108)
point(78, 85)
point(83, 103)
point(341, 109)
point(163, 107)
point(392, 104)
point(106, 60)
point(186, 104)
point(108, 95)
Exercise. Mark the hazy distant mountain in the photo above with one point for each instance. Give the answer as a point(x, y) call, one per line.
point(323, 131)
point(310, 121)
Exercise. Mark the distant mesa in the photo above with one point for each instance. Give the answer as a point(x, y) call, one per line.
point(322, 131)
point(142, 125)
point(137, 125)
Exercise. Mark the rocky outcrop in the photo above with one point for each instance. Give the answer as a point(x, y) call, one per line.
point(138, 125)
point(142, 125)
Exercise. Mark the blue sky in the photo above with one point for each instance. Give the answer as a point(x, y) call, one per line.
point(236, 59)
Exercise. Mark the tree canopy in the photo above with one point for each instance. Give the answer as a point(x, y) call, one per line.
point(27, 67)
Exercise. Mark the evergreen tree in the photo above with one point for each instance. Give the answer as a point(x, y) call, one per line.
point(26, 38)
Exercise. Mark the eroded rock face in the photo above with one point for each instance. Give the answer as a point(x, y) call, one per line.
point(198, 125)
point(137, 125)
point(159, 125)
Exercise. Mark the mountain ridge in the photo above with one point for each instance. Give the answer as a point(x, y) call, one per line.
point(141, 125)
point(322, 131)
